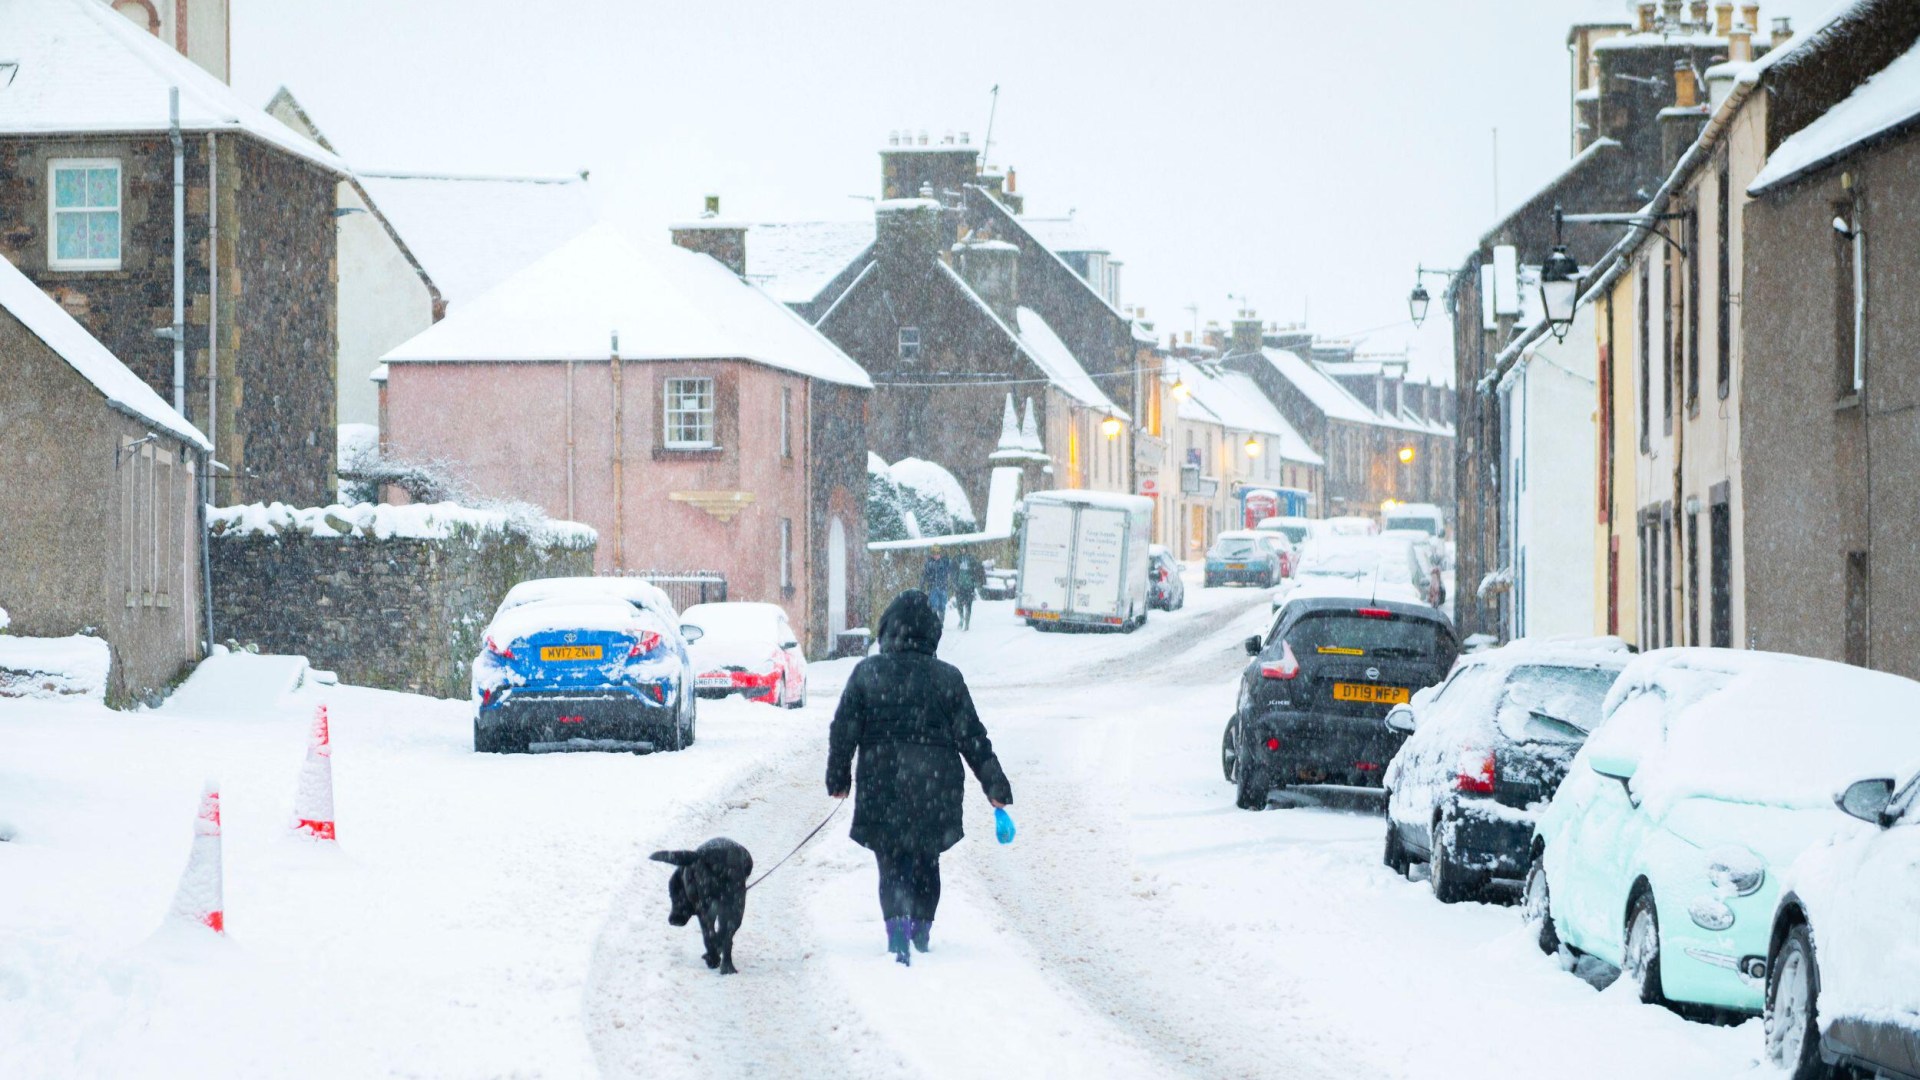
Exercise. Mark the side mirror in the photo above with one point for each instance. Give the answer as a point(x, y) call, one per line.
point(1254, 645)
point(789, 644)
point(1400, 718)
point(1614, 765)
point(691, 634)
point(1867, 800)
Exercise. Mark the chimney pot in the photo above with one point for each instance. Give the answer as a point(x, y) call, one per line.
point(1670, 14)
point(1697, 13)
point(1723, 18)
point(966, 139)
point(1782, 30)
point(1647, 8)
point(1750, 14)
point(1685, 90)
point(923, 136)
point(713, 206)
point(1010, 178)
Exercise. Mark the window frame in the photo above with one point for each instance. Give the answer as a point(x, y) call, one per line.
point(670, 410)
point(909, 351)
point(786, 423)
point(54, 211)
point(786, 555)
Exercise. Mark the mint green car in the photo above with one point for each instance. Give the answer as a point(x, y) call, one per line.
point(1711, 771)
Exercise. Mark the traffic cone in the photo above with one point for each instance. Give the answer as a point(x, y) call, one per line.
point(313, 802)
point(200, 898)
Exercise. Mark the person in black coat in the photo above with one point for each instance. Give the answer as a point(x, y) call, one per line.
point(910, 720)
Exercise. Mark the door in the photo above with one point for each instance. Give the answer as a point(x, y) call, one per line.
point(1099, 563)
point(1046, 557)
point(836, 577)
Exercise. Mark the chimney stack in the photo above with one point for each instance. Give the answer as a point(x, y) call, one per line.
point(1670, 15)
point(1750, 14)
point(1645, 24)
point(992, 269)
point(1782, 30)
point(1697, 14)
point(1247, 337)
point(725, 242)
point(1740, 44)
point(1723, 18)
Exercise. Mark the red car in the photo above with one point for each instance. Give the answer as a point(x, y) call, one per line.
point(749, 650)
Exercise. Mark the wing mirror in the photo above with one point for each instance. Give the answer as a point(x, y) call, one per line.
point(1614, 765)
point(1254, 645)
point(789, 644)
point(1867, 800)
point(690, 633)
point(1400, 718)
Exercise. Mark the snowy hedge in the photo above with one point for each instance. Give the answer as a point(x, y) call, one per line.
point(415, 521)
point(914, 498)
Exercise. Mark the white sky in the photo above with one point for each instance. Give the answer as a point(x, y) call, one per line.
point(1305, 155)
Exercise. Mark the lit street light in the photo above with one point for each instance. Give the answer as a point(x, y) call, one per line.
point(1253, 446)
point(1406, 455)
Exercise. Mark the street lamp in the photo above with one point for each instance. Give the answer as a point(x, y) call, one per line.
point(1252, 446)
point(1559, 290)
point(1417, 303)
point(1181, 390)
point(1406, 455)
point(1110, 427)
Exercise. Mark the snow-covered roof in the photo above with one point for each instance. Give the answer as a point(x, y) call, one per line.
point(794, 260)
point(1054, 358)
point(1062, 234)
point(469, 233)
point(47, 320)
point(1233, 400)
point(1320, 389)
point(85, 68)
point(1884, 102)
point(934, 482)
point(665, 302)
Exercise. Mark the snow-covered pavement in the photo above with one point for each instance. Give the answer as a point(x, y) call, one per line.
point(490, 916)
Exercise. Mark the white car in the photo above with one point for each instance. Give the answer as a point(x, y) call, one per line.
point(637, 591)
point(1362, 567)
point(747, 649)
point(1712, 770)
point(1844, 962)
point(1416, 517)
point(1298, 529)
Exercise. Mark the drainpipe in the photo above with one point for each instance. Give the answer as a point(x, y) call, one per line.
point(178, 330)
point(570, 516)
point(212, 425)
point(619, 446)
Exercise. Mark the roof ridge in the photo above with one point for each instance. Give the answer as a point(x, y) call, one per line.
point(508, 178)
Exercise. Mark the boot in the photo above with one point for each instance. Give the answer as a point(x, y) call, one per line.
point(898, 931)
point(922, 929)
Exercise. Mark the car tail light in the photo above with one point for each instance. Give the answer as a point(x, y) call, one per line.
point(1284, 668)
point(503, 653)
point(648, 642)
point(1273, 742)
point(486, 698)
point(1374, 613)
point(1163, 573)
point(1477, 772)
point(659, 692)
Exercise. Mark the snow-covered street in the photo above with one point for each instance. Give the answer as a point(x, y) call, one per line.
point(496, 915)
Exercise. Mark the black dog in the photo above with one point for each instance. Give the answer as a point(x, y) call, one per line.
point(711, 882)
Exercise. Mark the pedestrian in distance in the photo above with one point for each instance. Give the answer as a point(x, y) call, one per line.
point(968, 576)
point(936, 579)
point(904, 726)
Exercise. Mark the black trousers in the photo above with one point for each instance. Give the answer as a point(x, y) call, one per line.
point(963, 603)
point(909, 884)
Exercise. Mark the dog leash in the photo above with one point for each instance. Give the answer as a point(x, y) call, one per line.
point(837, 804)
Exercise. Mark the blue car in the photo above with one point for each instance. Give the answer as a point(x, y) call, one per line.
point(583, 674)
point(1242, 558)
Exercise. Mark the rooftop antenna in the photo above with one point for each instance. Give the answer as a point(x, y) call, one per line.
point(1194, 310)
point(986, 147)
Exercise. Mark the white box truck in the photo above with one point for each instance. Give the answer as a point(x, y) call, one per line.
point(1083, 560)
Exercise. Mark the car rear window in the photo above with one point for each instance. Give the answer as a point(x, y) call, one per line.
point(1415, 524)
point(1338, 633)
point(1295, 533)
point(1571, 695)
point(1233, 549)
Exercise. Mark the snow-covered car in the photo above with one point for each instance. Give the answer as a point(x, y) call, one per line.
point(1844, 960)
point(1428, 561)
point(1485, 751)
point(1712, 770)
point(1418, 517)
point(1297, 529)
point(1241, 557)
point(1314, 697)
point(596, 674)
point(1344, 526)
point(1367, 567)
point(747, 649)
point(1281, 546)
point(633, 590)
point(1165, 590)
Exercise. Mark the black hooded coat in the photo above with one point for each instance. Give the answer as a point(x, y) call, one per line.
point(910, 719)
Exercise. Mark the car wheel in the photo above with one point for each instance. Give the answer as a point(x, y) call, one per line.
point(482, 742)
point(1793, 1003)
point(1536, 906)
point(693, 720)
point(1642, 955)
point(801, 701)
point(1451, 882)
point(1252, 784)
point(1208, 583)
point(1229, 753)
point(1395, 855)
point(780, 694)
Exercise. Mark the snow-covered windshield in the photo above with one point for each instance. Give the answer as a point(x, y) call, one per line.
point(1561, 704)
point(1337, 633)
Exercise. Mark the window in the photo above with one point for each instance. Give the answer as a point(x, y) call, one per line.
point(1665, 525)
point(1723, 277)
point(1692, 586)
point(1846, 282)
point(1646, 354)
point(1693, 312)
point(786, 422)
point(1720, 567)
point(786, 553)
point(909, 344)
point(1669, 343)
point(83, 214)
point(1856, 645)
point(152, 525)
point(689, 416)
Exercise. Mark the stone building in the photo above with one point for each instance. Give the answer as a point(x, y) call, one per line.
point(417, 244)
point(88, 212)
point(101, 509)
point(693, 421)
point(1229, 437)
point(1830, 440)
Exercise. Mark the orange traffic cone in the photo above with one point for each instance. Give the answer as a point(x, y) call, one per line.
point(201, 895)
point(313, 802)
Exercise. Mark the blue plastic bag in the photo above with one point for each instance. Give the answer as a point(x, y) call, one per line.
point(1003, 824)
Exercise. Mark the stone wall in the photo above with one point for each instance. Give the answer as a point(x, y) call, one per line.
point(381, 608)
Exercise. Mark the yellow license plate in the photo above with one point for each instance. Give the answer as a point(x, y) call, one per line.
point(1389, 695)
point(1236, 566)
point(569, 652)
point(1342, 650)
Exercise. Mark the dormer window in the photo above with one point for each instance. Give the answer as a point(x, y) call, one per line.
point(909, 344)
point(83, 214)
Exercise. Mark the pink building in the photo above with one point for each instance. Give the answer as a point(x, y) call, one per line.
point(648, 391)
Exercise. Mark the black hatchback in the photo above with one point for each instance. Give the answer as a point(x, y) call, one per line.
point(1320, 683)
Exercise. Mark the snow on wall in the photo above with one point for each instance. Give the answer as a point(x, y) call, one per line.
point(417, 521)
point(53, 668)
